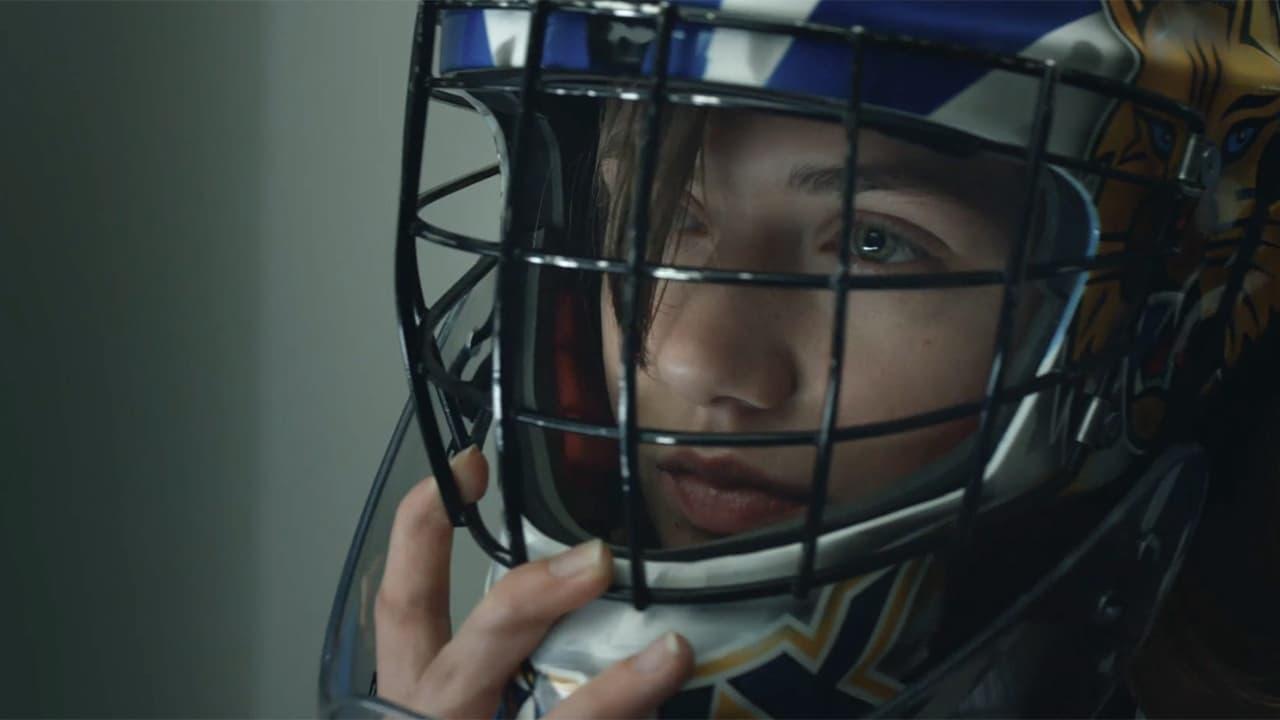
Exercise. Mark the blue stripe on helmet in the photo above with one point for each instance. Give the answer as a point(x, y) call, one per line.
point(566, 45)
point(464, 41)
point(914, 82)
point(911, 82)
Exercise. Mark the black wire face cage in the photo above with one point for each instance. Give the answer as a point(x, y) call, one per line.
point(474, 387)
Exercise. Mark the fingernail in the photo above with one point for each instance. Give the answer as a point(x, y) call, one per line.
point(659, 654)
point(463, 455)
point(580, 558)
point(467, 474)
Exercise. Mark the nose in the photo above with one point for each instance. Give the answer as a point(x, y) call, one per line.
point(713, 347)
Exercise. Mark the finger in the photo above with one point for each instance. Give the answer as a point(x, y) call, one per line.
point(470, 673)
point(634, 687)
point(411, 614)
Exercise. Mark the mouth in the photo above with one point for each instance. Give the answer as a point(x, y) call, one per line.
point(724, 496)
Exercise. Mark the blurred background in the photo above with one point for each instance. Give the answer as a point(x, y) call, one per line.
point(197, 340)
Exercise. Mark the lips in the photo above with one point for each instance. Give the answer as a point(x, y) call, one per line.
point(724, 496)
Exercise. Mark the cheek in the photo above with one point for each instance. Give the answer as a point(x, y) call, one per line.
point(901, 360)
point(905, 357)
point(908, 353)
point(864, 467)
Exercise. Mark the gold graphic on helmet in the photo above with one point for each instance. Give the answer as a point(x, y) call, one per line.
point(728, 704)
point(810, 644)
point(866, 679)
point(1223, 59)
point(902, 612)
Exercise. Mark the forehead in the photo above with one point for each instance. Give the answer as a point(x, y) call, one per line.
point(759, 134)
point(755, 151)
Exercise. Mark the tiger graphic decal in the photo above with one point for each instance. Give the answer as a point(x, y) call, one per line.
point(1230, 239)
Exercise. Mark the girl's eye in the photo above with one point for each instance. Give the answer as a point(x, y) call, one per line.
point(692, 224)
point(882, 246)
point(690, 219)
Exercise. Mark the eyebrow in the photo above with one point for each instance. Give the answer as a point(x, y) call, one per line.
point(825, 179)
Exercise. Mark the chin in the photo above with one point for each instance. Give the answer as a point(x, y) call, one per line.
point(674, 538)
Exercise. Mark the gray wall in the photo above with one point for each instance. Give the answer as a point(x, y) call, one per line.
point(197, 343)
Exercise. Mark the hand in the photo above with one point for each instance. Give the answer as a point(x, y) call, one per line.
point(422, 666)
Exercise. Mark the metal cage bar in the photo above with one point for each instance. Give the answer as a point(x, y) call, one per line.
point(722, 95)
point(508, 299)
point(1015, 270)
point(413, 313)
point(629, 476)
point(1010, 394)
point(835, 370)
point(457, 185)
point(417, 323)
point(1046, 270)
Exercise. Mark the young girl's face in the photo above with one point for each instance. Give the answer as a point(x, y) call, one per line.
point(766, 195)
